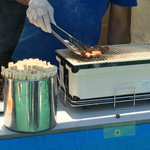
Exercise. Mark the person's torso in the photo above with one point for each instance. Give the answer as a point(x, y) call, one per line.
point(81, 18)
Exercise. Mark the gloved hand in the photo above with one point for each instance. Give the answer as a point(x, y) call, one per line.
point(41, 13)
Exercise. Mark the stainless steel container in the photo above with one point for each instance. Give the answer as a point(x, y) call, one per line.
point(30, 106)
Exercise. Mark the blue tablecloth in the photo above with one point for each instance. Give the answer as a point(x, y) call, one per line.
point(82, 140)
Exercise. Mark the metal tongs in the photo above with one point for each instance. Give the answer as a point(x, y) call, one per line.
point(73, 44)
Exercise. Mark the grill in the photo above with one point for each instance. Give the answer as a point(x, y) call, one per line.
point(119, 76)
point(117, 53)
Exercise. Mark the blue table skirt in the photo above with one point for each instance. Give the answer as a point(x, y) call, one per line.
point(82, 140)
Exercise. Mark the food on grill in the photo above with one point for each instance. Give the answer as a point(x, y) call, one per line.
point(94, 51)
point(104, 49)
point(29, 69)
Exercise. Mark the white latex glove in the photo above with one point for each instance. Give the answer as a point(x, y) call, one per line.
point(41, 13)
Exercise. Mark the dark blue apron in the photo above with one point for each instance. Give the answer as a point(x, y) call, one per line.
point(80, 18)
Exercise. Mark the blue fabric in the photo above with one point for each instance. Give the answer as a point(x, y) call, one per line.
point(125, 3)
point(82, 140)
point(80, 18)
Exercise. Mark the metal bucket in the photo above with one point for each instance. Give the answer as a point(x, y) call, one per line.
point(30, 106)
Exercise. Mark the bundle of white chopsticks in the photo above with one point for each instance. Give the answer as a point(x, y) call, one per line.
point(29, 69)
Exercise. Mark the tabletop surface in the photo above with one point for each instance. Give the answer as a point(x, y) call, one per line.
point(74, 119)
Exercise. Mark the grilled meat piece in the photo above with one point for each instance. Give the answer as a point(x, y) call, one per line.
point(94, 51)
point(88, 55)
point(104, 49)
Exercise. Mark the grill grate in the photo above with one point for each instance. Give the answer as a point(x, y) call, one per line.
point(117, 53)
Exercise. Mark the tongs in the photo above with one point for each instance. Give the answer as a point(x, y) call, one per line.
point(73, 44)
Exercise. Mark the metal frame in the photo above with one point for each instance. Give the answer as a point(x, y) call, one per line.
point(122, 89)
point(135, 97)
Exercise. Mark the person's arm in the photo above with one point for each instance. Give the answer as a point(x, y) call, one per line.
point(24, 2)
point(119, 25)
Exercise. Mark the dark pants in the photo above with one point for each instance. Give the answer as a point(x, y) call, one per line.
point(12, 16)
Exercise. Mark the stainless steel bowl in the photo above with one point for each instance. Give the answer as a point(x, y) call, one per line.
point(30, 106)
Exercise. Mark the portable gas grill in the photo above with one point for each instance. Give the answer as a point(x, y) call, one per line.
point(119, 76)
